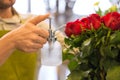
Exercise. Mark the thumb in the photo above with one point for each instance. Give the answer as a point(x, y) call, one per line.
point(38, 19)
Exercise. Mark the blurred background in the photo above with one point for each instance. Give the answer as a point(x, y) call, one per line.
point(62, 10)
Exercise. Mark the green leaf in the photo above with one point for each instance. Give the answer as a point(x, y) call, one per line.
point(73, 65)
point(68, 56)
point(99, 12)
point(113, 73)
point(67, 41)
point(115, 38)
point(79, 75)
point(86, 48)
point(84, 66)
point(75, 75)
point(110, 51)
point(118, 46)
point(109, 63)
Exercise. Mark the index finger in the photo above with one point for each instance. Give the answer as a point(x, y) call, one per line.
point(39, 18)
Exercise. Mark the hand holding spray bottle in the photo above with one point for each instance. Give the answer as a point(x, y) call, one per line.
point(51, 53)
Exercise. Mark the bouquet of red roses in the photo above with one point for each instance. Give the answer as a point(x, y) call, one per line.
point(95, 43)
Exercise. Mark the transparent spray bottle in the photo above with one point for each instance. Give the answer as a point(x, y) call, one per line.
point(51, 53)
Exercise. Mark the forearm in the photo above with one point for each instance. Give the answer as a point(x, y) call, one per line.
point(6, 49)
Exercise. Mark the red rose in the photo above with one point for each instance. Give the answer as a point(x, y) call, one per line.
point(85, 23)
point(92, 21)
point(95, 21)
point(112, 20)
point(73, 28)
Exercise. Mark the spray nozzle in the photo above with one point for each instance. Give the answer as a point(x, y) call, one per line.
point(52, 33)
point(50, 30)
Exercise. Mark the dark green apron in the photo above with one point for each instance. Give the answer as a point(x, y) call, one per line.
point(19, 66)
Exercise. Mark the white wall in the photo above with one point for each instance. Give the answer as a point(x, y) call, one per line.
point(37, 6)
point(86, 7)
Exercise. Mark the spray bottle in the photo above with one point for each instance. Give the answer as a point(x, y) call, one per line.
point(51, 53)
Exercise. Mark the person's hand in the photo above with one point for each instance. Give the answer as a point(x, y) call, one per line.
point(29, 37)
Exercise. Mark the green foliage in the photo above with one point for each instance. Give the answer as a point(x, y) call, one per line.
point(98, 52)
point(114, 73)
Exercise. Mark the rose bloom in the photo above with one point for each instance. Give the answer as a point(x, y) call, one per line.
point(85, 23)
point(78, 26)
point(73, 28)
point(95, 21)
point(112, 20)
point(92, 21)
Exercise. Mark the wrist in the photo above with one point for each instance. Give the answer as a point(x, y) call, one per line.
point(6, 48)
point(7, 42)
